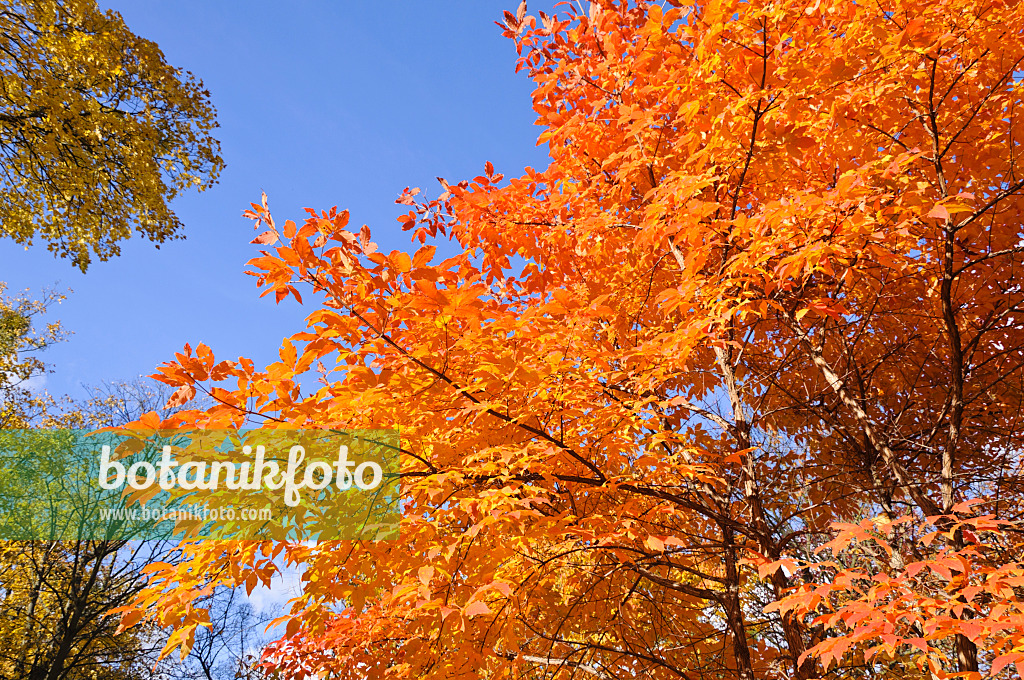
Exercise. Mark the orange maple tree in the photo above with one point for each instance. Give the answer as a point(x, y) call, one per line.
point(731, 389)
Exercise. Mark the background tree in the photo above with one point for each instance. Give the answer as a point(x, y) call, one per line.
point(230, 648)
point(20, 345)
point(57, 597)
point(97, 132)
point(731, 389)
point(55, 610)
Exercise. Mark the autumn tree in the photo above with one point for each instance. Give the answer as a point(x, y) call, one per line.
point(731, 389)
point(20, 345)
point(97, 131)
point(58, 592)
point(55, 604)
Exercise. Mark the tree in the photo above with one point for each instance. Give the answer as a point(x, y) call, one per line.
point(55, 611)
point(110, 404)
point(19, 361)
point(97, 132)
point(57, 596)
point(731, 389)
point(229, 648)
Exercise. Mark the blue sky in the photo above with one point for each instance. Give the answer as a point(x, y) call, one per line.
point(320, 104)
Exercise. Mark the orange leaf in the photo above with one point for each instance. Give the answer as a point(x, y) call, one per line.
point(266, 238)
point(476, 608)
point(181, 395)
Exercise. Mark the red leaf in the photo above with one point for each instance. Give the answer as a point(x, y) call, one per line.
point(407, 195)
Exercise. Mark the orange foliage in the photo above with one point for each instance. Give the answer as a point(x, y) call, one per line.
point(769, 282)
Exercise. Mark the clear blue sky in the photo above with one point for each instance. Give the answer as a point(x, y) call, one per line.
point(320, 103)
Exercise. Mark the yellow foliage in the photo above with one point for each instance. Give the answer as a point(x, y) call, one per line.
point(97, 131)
point(19, 344)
